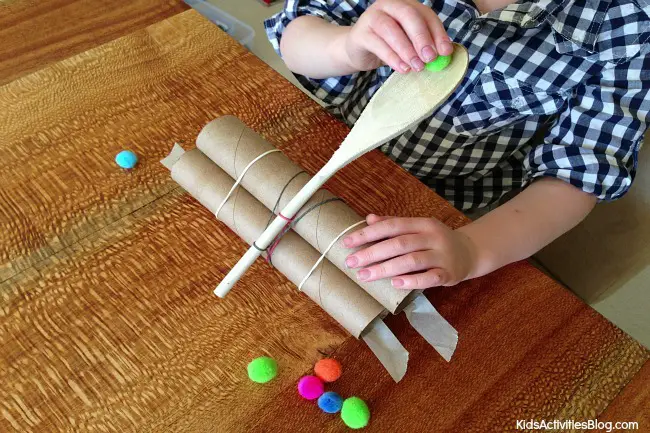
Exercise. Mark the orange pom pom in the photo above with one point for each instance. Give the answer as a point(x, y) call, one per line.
point(328, 369)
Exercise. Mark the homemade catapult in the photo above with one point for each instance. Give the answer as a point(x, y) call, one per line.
point(285, 216)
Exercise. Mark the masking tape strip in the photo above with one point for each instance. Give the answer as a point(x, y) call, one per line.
point(174, 155)
point(426, 320)
point(387, 348)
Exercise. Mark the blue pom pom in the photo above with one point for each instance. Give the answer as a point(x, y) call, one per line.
point(330, 402)
point(126, 159)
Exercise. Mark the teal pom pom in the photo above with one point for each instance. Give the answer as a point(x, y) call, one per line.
point(126, 159)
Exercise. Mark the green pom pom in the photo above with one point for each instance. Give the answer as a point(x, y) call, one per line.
point(355, 413)
point(438, 64)
point(262, 369)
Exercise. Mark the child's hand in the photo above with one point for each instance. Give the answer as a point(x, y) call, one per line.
point(417, 253)
point(403, 34)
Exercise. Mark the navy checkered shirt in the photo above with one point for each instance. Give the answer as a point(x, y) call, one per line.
point(557, 88)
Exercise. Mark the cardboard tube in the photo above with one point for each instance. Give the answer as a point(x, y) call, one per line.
point(339, 296)
point(232, 145)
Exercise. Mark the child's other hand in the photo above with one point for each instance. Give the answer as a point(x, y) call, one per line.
point(403, 34)
point(416, 253)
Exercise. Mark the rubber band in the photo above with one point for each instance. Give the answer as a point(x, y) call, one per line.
point(277, 202)
point(285, 218)
point(329, 247)
point(291, 224)
point(271, 248)
point(241, 177)
point(297, 219)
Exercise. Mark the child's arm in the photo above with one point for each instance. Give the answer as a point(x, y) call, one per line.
point(444, 257)
point(541, 213)
point(403, 34)
point(589, 153)
point(315, 48)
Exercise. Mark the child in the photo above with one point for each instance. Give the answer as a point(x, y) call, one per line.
point(577, 71)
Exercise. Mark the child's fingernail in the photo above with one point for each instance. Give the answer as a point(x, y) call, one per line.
point(347, 241)
point(428, 53)
point(404, 67)
point(351, 262)
point(397, 282)
point(447, 47)
point(363, 274)
point(417, 64)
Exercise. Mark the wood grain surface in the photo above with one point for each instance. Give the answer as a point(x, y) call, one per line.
point(36, 33)
point(106, 308)
point(632, 404)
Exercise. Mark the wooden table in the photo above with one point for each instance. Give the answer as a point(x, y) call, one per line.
point(107, 314)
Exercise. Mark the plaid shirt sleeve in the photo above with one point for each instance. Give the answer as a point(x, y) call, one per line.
point(335, 90)
point(595, 141)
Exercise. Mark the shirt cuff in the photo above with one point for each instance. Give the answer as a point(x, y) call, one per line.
point(605, 176)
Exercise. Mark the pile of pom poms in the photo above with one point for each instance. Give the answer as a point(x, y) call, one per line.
point(354, 411)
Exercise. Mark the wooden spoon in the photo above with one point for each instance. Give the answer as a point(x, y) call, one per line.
point(402, 101)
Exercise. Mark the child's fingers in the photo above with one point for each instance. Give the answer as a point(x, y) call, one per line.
point(388, 249)
point(376, 45)
point(390, 228)
point(413, 19)
point(412, 262)
point(385, 26)
point(443, 44)
point(372, 218)
point(423, 280)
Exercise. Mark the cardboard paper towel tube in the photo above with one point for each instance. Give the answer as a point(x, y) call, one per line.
point(339, 296)
point(232, 145)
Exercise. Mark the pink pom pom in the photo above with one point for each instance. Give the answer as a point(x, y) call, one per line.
point(310, 387)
